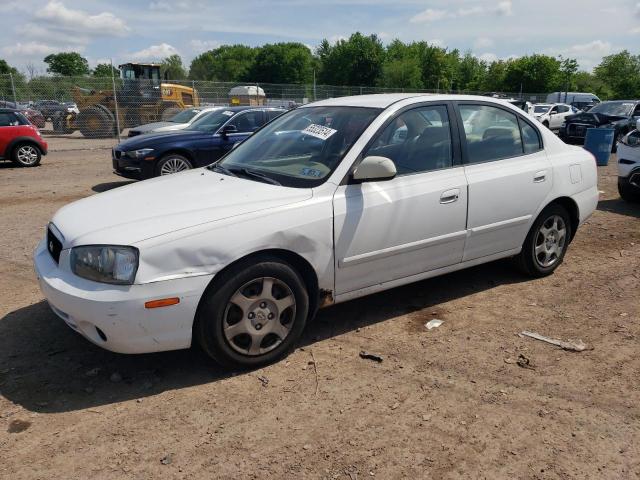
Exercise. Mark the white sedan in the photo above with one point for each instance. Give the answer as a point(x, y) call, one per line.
point(552, 115)
point(327, 203)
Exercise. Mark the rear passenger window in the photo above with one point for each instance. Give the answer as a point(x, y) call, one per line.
point(248, 121)
point(8, 120)
point(530, 137)
point(271, 114)
point(418, 140)
point(491, 133)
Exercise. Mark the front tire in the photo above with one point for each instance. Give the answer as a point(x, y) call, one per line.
point(173, 163)
point(546, 243)
point(253, 314)
point(26, 155)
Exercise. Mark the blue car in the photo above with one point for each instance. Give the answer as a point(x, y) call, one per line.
point(202, 143)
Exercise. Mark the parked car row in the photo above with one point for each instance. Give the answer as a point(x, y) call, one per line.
point(323, 204)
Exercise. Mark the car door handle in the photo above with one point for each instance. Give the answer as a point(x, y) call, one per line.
point(450, 196)
point(540, 177)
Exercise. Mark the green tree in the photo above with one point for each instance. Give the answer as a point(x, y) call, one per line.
point(172, 69)
point(534, 73)
point(621, 73)
point(228, 63)
point(105, 70)
point(402, 67)
point(494, 81)
point(471, 73)
point(356, 61)
point(6, 69)
point(282, 63)
point(438, 66)
point(68, 64)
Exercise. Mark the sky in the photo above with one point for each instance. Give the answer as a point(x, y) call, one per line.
point(149, 30)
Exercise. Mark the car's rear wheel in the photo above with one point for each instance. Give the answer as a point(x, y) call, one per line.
point(253, 314)
point(26, 155)
point(546, 243)
point(628, 193)
point(173, 163)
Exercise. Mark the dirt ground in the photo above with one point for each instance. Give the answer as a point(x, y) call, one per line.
point(451, 402)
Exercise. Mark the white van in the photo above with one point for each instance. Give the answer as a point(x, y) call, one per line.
point(576, 99)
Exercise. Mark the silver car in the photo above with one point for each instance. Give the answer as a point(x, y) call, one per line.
point(178, 122)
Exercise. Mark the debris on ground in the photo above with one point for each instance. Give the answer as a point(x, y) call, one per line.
point(524, 362)
point(167, 459)
point(577, 346)
point(264, 381)
point(435, 323)
point(370, 356)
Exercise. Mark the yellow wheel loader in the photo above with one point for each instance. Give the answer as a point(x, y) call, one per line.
point(141, 98)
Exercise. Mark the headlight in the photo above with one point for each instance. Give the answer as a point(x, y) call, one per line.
point(105, 263)
point(139, 153)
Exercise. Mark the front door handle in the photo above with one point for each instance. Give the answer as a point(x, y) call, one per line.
point(540, 176)
point(450, 196)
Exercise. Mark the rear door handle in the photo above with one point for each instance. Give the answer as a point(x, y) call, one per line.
point(450, 196)
point(540, 176)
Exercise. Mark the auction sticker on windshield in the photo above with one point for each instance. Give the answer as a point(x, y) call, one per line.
point(319, 131)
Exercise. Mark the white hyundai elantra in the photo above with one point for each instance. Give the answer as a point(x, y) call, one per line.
point(329, 202)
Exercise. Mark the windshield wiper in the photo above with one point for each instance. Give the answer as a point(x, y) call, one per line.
point(261, 176)
point(219, 168)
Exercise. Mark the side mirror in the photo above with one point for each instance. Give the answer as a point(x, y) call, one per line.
point(375, 168)
point(638, 125)
point(229, 129)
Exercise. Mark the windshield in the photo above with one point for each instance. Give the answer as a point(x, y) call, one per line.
point(185, 115)
point(212, 121)
point(541, 108)
point(302, 147)
point(616, 109)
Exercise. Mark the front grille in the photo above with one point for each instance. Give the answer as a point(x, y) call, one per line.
point(53, 245)
point(577, 130)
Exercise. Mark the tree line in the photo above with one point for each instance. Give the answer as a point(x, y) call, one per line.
point(363, 60)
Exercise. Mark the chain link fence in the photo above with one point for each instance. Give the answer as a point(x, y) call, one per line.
point(107, 107)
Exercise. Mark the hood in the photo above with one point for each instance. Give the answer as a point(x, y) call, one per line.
point(150, 127)
point(136, 212)
point(597, 119)
point(151, 139)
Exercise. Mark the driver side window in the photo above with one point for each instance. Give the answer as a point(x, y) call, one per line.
point(418, 140)
point(248, 122)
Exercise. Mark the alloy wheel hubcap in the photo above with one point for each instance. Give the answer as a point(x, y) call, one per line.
point(27, 155)
point(550, 241)
point(174, 165)
point(259, 316)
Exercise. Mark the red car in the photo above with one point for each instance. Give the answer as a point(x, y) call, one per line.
point(20, 141)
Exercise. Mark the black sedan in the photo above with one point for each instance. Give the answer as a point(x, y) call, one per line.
point(202, 143)
point(619, 115)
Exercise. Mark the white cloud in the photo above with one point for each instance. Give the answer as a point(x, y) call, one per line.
point(635, 31)
point(588, 54)
point(436, 42)
point(333, 39)
point(482, 42)
point(160, 6)
point(203, 45)
point(504, 8)
point(428, 15)
point(155, 52)
point(57, 15)
point(488, 57)
point(32, 49)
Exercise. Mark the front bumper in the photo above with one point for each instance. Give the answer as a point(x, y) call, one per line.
point(134, 168)
point(114, 316)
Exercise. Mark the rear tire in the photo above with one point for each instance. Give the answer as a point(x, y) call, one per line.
point(628, 193)
point(97, 122)
point(26, 155)
point(546, 243)
point(253, 314)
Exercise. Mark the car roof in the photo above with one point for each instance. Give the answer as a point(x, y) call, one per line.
point(384, 100)
point(8, 110)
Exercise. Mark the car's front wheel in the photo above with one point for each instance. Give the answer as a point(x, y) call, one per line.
point(546, 243)
point(26, 155)
point(173, 163)
point(253, 313)
point(628, 193)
